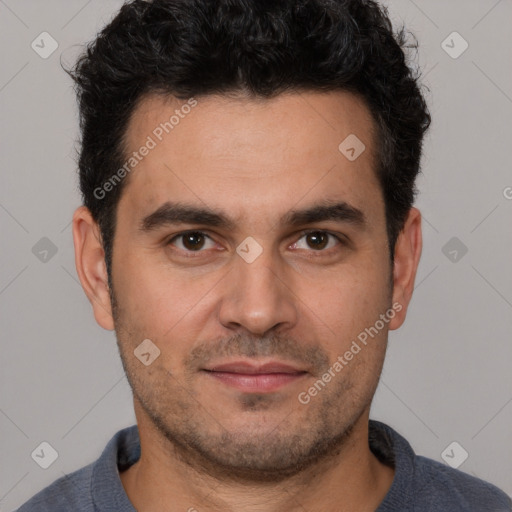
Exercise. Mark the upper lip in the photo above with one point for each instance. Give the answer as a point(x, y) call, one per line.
point(253, 368)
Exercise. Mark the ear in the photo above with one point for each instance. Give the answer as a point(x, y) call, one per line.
point(91, 267)
point(407, 257)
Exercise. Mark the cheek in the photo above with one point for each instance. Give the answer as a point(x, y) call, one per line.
point(352, 298)
point(163, 305)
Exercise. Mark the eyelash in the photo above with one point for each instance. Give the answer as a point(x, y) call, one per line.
point(195, 254)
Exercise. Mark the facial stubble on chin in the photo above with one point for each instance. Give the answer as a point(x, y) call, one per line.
point(196, 435)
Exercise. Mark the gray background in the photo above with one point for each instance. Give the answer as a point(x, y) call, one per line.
point(447, 376)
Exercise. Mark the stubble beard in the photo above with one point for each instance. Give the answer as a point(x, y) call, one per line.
point(293, 445)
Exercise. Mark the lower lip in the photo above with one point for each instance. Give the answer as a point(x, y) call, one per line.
point(256, 383)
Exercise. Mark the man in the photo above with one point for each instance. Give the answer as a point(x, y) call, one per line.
point(248, 170)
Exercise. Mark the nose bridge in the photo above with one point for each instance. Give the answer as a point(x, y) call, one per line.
point(258, 297)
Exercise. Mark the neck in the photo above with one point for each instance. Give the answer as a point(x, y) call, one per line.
point(351, 479)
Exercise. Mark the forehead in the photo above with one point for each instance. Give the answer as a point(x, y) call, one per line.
point(251, 156)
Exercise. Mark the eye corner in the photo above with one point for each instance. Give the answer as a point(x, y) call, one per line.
point(324, 233)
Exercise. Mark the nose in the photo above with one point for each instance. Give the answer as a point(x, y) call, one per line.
point(258, 296)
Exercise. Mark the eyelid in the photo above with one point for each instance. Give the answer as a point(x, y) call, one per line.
point(188, 232)
point(339, 238)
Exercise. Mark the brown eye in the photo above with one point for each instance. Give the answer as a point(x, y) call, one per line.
point(317, 240)
point(192, 241)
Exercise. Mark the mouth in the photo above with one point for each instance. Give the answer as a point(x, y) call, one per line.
point(253, 377)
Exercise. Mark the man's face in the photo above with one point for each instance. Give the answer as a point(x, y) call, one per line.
point(246, 326)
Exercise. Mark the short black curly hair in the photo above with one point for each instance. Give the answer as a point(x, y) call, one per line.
point(263, 48)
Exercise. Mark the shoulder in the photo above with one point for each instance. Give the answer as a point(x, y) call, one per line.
point(70, 492)
point(443, 486)
point(95, 486)
point(422, 484)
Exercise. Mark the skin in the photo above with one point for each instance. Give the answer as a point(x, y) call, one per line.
point(206, 445)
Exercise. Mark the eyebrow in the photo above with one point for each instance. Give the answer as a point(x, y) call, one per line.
point(178, 213)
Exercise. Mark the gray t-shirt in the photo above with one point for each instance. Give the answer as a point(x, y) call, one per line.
point(420, 484)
